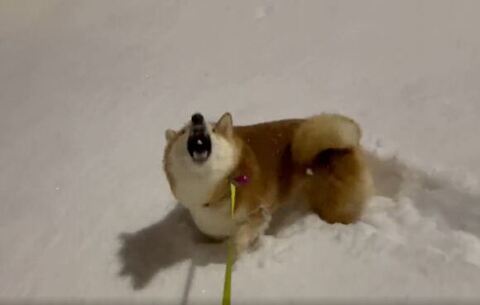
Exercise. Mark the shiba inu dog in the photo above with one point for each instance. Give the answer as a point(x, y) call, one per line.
point(318, 159)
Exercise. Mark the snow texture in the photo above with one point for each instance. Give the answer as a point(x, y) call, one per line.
point(87, 89)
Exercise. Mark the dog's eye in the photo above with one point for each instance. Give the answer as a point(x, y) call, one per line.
point(182, 131)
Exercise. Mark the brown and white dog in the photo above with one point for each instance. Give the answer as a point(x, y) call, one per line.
point(318, 159)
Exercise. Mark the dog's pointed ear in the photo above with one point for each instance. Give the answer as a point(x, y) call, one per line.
point(170, 134)
point(225, 124)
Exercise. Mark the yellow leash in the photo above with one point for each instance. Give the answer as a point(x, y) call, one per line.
point(227, 285)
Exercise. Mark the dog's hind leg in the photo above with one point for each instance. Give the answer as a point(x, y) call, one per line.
point(338, 185)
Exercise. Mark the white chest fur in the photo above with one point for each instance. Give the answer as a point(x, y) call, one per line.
point(195, 184)
point(214, 221)
point(194, 193)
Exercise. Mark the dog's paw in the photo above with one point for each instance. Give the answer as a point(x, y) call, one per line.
point(242, 239)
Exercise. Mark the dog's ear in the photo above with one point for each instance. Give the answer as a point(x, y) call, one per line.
point(225, 124)
point(170, 134)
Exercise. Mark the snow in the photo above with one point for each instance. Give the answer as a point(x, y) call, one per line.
point(87, 89)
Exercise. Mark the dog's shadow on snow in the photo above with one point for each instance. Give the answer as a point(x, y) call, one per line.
point(169, 241)
point(174, 239)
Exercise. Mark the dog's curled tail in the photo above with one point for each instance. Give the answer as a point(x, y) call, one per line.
point(321, 133)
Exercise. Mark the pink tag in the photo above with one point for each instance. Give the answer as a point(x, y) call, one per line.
point(241, 180)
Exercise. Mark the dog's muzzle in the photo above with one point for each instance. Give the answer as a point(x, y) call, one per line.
point(199, 144)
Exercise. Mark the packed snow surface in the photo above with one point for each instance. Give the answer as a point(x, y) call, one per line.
point(87, 89)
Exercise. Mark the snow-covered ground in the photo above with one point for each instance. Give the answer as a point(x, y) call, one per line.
point(87, 89)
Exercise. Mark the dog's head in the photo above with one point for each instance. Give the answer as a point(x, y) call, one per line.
point(201, 143)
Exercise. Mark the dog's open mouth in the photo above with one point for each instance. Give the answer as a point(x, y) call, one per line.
point(199, 148)
point(199, 144)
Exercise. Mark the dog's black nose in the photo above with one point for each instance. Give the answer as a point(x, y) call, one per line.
point(197, 119)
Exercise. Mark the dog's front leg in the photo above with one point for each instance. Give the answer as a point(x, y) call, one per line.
point(251, 229)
